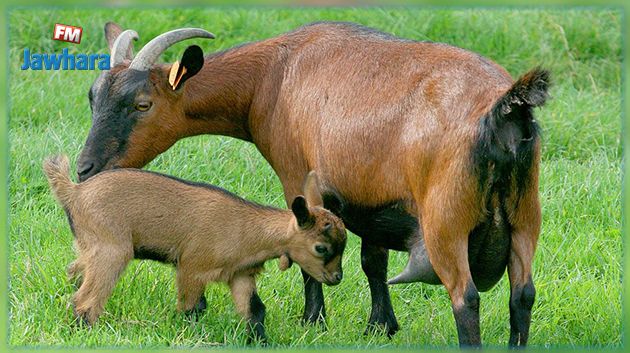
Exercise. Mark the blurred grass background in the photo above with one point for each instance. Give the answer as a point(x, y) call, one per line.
point(577, 268)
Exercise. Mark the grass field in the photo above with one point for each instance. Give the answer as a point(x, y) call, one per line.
point(577, 268)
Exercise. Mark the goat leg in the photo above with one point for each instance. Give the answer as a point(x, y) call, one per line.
point(374, 264)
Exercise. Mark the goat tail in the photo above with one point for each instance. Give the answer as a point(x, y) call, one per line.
point(57, 170)
point(508, 134)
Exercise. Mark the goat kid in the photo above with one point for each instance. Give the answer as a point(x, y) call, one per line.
point(208, 233)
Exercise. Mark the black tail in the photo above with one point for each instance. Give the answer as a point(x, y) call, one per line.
point(508, 134)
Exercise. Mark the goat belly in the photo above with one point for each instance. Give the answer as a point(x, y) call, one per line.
point(156, 254)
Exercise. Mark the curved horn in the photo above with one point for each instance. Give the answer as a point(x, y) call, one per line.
point(150, 52)
point(121, 49)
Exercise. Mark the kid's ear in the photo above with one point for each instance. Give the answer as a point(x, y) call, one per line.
point(189, 66)
point(301, 212)
point(285, 262)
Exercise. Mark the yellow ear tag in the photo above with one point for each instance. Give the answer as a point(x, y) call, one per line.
point(176, 74)
point(173, 74)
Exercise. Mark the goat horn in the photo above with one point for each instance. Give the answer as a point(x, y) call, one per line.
point(122, 46)
point(150, 52)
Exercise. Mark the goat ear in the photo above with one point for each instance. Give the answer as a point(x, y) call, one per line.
point(333, 202)
point(285, 262)
point(312, 191)
point(301, 212)
point(112, 31)
point(189, 66)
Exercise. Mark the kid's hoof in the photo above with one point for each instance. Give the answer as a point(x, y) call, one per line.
point(256, 334)
point(256, 339)
point(198, 310)
point(201, 306)
point(81, 319)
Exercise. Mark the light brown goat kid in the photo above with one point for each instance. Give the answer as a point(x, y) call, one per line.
point(209, 234)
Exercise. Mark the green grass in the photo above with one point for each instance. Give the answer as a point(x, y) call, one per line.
point(577, 267)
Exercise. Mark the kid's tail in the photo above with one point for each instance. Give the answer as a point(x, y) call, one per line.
point(57, 170)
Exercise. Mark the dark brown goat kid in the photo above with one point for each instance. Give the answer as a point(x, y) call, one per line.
point(431, 149)
point(209, 234)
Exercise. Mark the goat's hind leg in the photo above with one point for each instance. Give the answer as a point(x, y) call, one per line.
point(190, 293)
point(446, 230)
point(249, 305)
point(101, 271)
point(525, 232)
point(76, 269)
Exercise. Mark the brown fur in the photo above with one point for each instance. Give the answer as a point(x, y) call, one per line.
point(382, 120)
point(209, 234)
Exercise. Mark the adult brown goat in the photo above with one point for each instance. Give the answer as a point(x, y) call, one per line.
point(431, 149)
point(209, 234)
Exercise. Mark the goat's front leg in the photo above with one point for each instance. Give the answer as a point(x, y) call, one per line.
point(374, 264)
point(249, 305)
point(314, 310)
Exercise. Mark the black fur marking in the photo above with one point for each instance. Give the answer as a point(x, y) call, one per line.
point(314, 309)
point(210, 187)
point(471, 297)
point(70, 221)
point(467, 318)
point(521, 303)
point(529, 295)
point(198, 310)
point(374, 264)
point(144, 253)
point(113, 116)
point(257, 320)
point(504, 150)
point(388, 226)
point(202, 305)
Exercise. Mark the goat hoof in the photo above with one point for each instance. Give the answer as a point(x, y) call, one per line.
point(201, 306)
point(257, 334)
point(81, 319)
point(198, 310)
point(261, 340)
point(312, 320)
point(314, 317)
point(378, 328)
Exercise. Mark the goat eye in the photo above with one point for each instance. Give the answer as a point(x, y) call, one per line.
point(143, 106)
point(321, 249)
